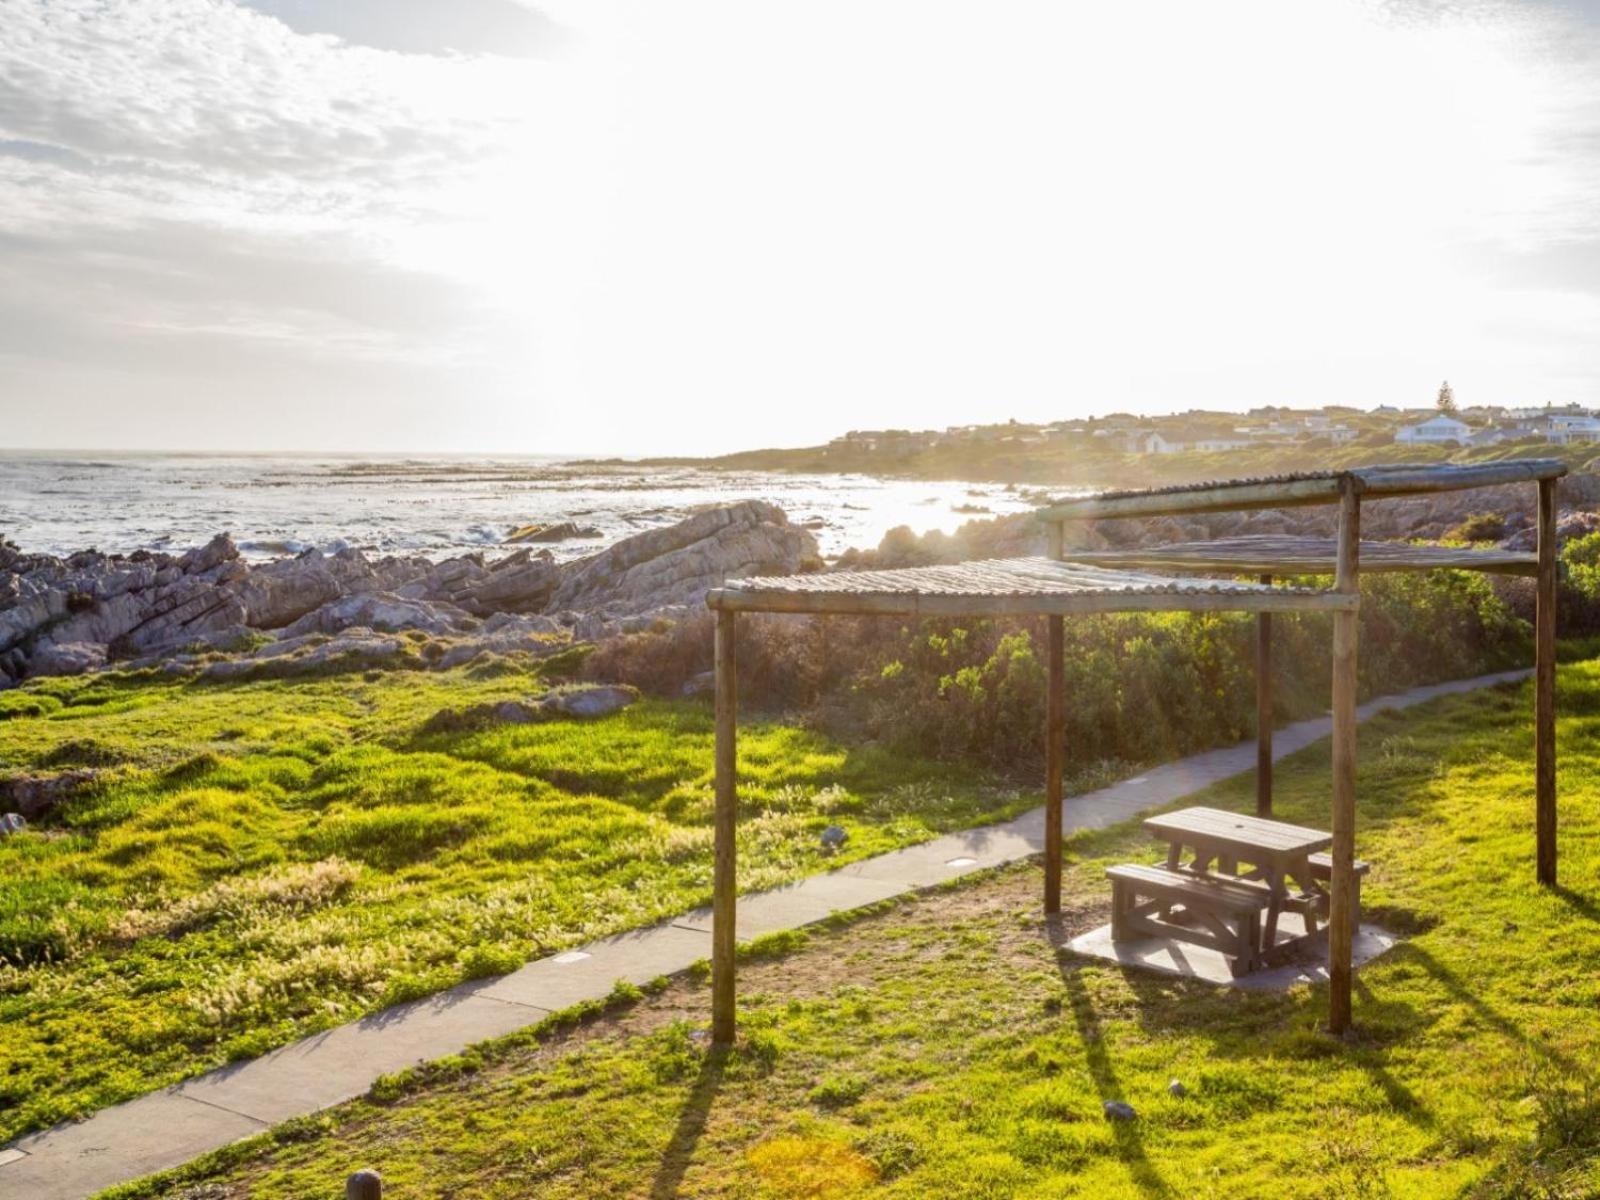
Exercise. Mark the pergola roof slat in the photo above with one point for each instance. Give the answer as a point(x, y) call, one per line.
point(1283, 554)
point(1317, 487)
point(1012, 586)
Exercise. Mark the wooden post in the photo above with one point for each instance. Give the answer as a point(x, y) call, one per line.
point(1055, 732)
point(364, 1185)
point(1544, 688)
point(1264, 711)
point(724, 881)
point(1341, 916)
point(1055, 536)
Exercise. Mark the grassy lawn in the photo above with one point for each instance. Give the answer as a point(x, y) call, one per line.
point(259, 861)
point(942, 1047)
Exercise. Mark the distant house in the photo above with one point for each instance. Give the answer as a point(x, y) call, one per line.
point(1154, 443)
point(1574, 429)
point(1340, 434)
point(1222, 443)
point(1491, 437)
point(1435, 431)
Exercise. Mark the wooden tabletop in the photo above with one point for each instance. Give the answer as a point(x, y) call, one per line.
point(1215, 827)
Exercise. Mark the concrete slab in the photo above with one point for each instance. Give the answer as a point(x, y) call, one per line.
point(640, 956)
point(152, 1133)
point(1168, 957)
point(329, 1068)
point(799, 904)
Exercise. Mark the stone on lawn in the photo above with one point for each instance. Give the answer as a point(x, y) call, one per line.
point(1176, 1088)
point(11, 823)
point(834, 837)
point(1117, 1110)
point(591, 702)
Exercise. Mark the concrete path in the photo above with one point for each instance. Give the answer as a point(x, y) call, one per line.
point(169, 1127)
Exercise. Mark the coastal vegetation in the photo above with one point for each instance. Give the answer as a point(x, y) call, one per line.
point(943, 1047)
point(239, 863)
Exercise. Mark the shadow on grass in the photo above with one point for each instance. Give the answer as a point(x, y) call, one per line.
point(692, 1120)
point(1499, 1022)
point(1130, 1141)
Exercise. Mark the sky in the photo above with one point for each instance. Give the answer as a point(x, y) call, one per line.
point(639, 227)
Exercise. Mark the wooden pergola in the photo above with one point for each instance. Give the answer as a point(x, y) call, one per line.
point(1161, 579)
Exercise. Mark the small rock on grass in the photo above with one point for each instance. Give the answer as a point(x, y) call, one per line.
point(11, 823)
point(1117, 1110)
point(834, 837)
point(1176, 1088)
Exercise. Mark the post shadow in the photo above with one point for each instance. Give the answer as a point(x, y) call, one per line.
point(692, 1120)
point(1130, 1141)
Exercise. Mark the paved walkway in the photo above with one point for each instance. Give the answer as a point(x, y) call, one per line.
point(169, 1127)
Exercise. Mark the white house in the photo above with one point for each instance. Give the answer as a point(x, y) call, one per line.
point(1222, 443)
point(1439, 430)
point(1574, 429)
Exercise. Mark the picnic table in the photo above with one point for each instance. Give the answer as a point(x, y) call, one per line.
point(1242, 873)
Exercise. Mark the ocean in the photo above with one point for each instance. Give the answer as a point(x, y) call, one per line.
point(437, 507)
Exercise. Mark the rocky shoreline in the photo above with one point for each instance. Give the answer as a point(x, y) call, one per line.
point(209, 613)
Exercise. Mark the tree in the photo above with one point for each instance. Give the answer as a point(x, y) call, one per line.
point(1447, 399)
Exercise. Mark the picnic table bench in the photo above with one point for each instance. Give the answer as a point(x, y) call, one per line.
point(1243, 873)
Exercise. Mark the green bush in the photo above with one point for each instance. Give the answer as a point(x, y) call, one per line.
point(1141, 687)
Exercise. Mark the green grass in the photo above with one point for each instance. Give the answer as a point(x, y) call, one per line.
point(263, 860)
point(942, 1048)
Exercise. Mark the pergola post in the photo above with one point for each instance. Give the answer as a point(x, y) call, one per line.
point(724, 881)
point(1264, 711)
point(1055, 732)
point(1544, 688)
point(1341, 915)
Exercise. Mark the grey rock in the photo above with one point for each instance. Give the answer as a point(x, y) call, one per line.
point(1176, 1088)
point(11, 823)
point(696, 686)
point(68, 658)
point(214, 553)
point(559, 531)
point(1117, 1110)
point(35, 795)
point(680, 563)
point(380, 610)
point(834, 837)
point(598, 701)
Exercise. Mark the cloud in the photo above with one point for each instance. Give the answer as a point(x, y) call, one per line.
point(427, 26)
point(192, 187)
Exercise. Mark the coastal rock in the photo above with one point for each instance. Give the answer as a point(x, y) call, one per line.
point(149, 609)
point(560, 531)
point(680, 563)
point(522, 583)
point(213, 554)
point(381, 610)
point(68, 658)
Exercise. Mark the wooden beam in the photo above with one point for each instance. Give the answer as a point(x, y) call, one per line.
point(1376, 482)
point(1055, 536)
point(1544, 688)
point(1055, 732)
point(724, 878)
point(1264, 711)
point(750, 598)
point(1341, 916)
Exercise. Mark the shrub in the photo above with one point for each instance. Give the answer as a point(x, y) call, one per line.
point(1142, 686)
point(1479, 527)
